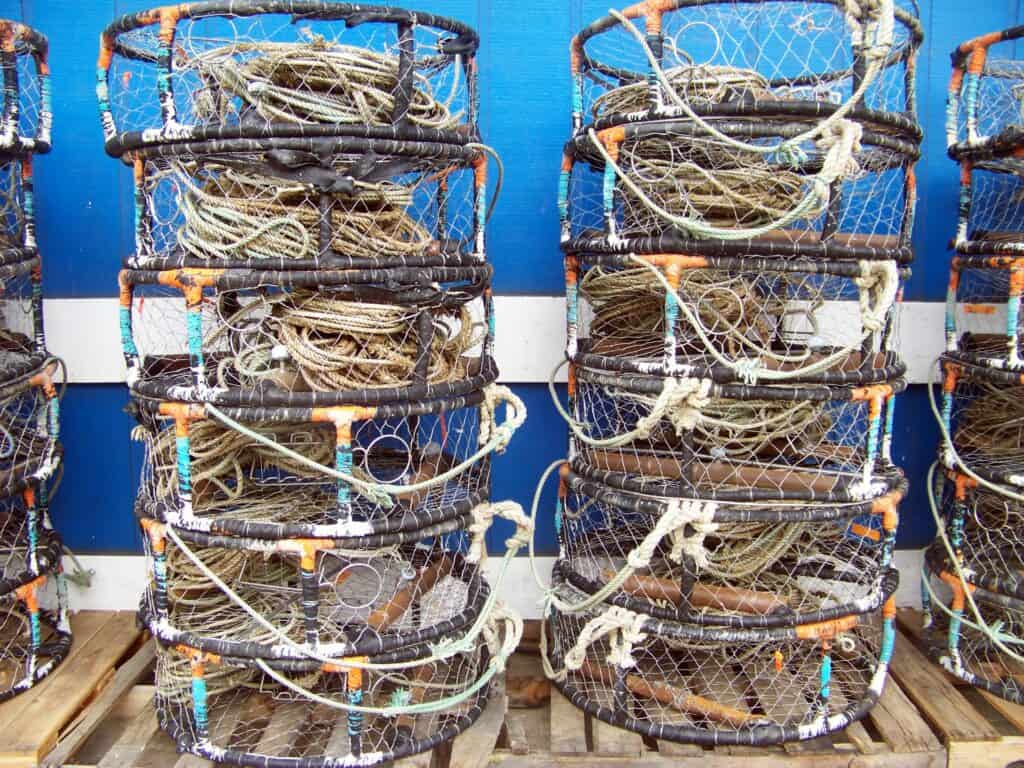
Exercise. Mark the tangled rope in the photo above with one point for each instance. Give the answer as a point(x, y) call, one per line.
point(229, 213)
point(315, 82)
point(336, 344)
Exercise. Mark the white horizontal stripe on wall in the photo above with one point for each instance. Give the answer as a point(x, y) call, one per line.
point(118, 581)
point(530, 336)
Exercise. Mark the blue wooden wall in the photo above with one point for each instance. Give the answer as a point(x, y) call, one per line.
point(84, 209)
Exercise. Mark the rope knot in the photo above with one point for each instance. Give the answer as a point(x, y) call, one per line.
point(681, 401)
point(697, 516)
point(841, 141)
point(483, 516)
point(622, 627)
point(878, 284)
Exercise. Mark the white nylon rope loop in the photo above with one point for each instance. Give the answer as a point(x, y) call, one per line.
point(879, 283)
point(622, 627)
point(701, 520)
point(483, 515)
point(680, 400)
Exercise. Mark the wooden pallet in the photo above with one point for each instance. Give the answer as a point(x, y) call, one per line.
point(923, 716)
point(979, 730)
point(32, 723)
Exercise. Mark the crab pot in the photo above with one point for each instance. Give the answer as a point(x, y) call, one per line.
point(239, 337)
point(233, 711)
point(983, 102)
point(798, 59)
point(990, 220)
point(734, 318)
point(309, 203)
point(22, 341)
point(983, 319)
point(663, 177)
point(985, 527)
point(954, 636)
point(357, 470)
point(339, 597)
point(29, 425)
point(220, 70)
point(687, 683)
point(735, 442)
point(26, 119)
point(729, 564)
point(981, 412)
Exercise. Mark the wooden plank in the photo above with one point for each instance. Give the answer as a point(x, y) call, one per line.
point(132, 742)
point(855, 732)
point(473, 748)
point(33, 731)
point(1013, 712)
point(898, 722)
point(109, 731)
point(535, 724)
point(221, 728)
point(942, 705)
point(674, 749)
point(721, 759)
point(515, 735)
point(81, 729)
point(613, 741)
point(568, 726)
point(283, 730)
point(985, 754)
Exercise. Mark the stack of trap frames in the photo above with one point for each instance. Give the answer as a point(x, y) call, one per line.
point(34, 631)
point(971, 577)
point(736, 199)
point(307, 323)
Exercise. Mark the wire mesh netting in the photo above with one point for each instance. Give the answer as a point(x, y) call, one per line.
point(736, 318)
point(984, 100)
point(287, 338)
point(357, 471)
point(248, 713)
point(687, 683)
point(695, 439)
point(728, 563)
point(293, 67)
point(309, 203)
point(983, 321)
point(26, 121)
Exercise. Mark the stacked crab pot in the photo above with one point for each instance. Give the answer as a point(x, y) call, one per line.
point(737, 198)
point(34, 631)
point(972, 578)
point(307, 326)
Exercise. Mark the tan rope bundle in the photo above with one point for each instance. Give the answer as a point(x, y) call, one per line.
point(703, 178)
point(315, 82)
point(629, 307)
point(223, 459)
point(700, 82)
point(235, 215)
point(336, 344)
point(993, 423)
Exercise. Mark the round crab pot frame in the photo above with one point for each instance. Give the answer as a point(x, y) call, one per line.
point(646, 178)
point(983, 318)
point(791, 58)
point(991, 221)
point(224, 69)
point(690, 438)
point(727, 564)
point(319, 595)
point(229, 710)
point(26, 120)
point(30, 425)
point(22, 341)
point(703, 685)
point(309, 203)
point(357, 471)
point(983, 101)
point(956, 642)
point(982, 413)
point(17, 207)
point(29, 548)
point(985, 528)
point(307, 338)
point(734, 319)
